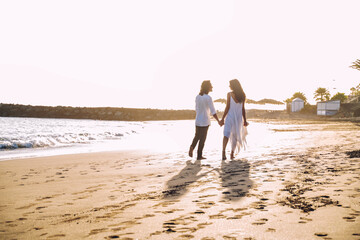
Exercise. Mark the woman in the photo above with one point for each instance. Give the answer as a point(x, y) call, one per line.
point(204, 107)
point(235, 122)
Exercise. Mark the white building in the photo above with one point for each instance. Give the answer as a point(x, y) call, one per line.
point(328, 108)
point(297, 104)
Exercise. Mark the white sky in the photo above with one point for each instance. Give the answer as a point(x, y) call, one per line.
point(155, 54)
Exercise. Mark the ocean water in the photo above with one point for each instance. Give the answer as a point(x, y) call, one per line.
point(33, 137)
point(27, 137)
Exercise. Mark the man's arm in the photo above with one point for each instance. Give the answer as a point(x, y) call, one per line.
point(213, 111)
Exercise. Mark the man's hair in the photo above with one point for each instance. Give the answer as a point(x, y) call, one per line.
point(205, 87)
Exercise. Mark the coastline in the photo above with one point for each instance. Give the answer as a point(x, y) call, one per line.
point(307, 194)
point(348, 112)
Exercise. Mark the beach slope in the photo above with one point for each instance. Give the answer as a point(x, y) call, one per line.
point(314, 194)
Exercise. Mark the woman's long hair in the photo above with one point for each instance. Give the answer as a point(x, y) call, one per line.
point(237, 90)
point(205, 87)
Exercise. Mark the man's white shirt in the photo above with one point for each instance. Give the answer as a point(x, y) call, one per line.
point(204, 107)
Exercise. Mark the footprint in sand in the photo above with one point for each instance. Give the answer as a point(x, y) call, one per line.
point(199, 212)
point(171, 211)
point(112, 197)
point(271, 230)
point(41, 207)
point(260, 221)
point(113, 237)
point(205, 205)
point(217, 216)
point(169, 226)
point(10, 224)
point(321, 234)
point(26, 206)
point(186, 236)
point(226, 237)
point(96, 231)
point(349, 219)
point(357, 213)
point(169, 230)
point(57, 235)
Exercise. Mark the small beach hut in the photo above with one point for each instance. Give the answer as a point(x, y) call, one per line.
point(297, 104)
point(328, 108)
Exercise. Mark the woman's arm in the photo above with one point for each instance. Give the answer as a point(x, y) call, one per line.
point(226, 108)
point(244, 115)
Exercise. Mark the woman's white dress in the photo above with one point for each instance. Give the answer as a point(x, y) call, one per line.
point(234, 128)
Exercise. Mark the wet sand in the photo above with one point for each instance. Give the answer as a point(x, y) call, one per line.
point(311, 194)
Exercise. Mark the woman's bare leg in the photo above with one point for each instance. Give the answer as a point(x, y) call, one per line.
point(225, 141)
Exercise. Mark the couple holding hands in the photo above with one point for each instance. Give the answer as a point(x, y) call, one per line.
point(234, 119)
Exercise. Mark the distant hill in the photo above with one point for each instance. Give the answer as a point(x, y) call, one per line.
point(262, 101)
point(100, 113)
point(220, 100)
point(349, 111)
point(269, 101)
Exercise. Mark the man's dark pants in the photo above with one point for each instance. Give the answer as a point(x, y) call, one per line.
point(200, 136)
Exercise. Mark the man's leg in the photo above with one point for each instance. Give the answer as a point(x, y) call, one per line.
point(195, 141)
point(203, 134)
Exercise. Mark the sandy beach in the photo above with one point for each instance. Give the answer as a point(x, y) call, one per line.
point(310, 192)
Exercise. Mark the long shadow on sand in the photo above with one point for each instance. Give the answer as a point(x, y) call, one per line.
point(177, 185)
point(235, 179)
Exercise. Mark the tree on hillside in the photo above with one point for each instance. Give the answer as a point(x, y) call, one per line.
point(220, 100)
point(321, 94)
point(339, 96)
point(288, 100)
point(356, 65)
point(296, 95)
point(355, 91)
point(299, 95)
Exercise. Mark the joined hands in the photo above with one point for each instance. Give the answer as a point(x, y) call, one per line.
point(221, 122)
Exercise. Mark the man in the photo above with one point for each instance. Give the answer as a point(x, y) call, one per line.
point(204, 107)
